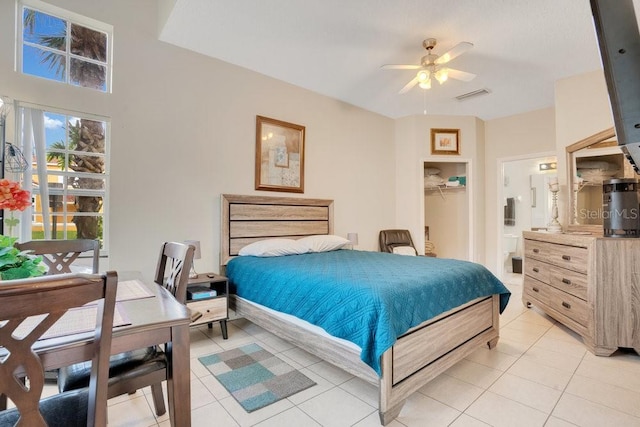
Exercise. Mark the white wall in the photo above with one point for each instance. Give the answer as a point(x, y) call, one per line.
point(582, 109)
point(518, 135)
point(413, 148)
point(183, 132)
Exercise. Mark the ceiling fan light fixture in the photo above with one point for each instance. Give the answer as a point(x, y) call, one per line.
point(423, 76)
point(426, 84)
point(432, 66)
point(442, 75)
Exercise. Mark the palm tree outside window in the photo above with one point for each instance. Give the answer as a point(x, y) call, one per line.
point(69, 178)
point(56, 48)
point(68, 150)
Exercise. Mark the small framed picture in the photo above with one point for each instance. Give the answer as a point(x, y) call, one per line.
point(279, 155)
point(445, 141)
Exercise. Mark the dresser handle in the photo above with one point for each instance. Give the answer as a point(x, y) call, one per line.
point(566, 305)
point(535, 289)
point(536, 270)
point(566, 281)
point(535, 251)
point(566, 257)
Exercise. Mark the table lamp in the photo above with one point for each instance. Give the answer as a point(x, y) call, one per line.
point(353, 239)
point(196, 255)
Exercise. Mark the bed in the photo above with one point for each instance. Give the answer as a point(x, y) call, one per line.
point(410, 358)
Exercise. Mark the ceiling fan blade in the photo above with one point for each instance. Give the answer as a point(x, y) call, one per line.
point(454, 52)
point(400, 67)
point(460, 75)
point(409, 85)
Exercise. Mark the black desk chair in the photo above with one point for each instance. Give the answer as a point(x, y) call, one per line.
point(133, 370)
point(53, 296)
point(390, 239)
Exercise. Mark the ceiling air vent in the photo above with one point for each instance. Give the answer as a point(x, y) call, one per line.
point(473, 94)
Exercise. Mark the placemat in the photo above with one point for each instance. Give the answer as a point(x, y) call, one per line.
point(74, 321)
point(132, 289)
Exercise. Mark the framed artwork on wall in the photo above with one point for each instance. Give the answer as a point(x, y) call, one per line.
point(279, 155)
point(445, 141)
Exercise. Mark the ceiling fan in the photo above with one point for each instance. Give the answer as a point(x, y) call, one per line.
point(432, 66)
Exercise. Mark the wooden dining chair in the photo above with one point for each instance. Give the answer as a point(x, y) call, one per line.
point(174, 265)
point(49, 298)
point(134, 370)
point(58, 255)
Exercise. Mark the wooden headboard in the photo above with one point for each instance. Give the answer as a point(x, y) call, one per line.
point(248, 219)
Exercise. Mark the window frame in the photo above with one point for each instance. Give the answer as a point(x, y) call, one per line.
point(104, 250)
point(70, 18)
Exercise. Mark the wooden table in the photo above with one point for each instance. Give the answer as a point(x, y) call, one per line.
point(156, 320)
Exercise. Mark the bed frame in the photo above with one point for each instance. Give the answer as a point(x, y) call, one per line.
point(416, 358)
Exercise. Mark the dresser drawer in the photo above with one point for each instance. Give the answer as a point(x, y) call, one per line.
point(536, 269)
point(568, 281)
point(571, 257)
point(570, 306)
point(537, 290)
point(211, 309)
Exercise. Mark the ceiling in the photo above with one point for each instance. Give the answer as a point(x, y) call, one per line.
point(336, 48)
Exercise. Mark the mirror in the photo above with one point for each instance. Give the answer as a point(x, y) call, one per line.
point(589, 162)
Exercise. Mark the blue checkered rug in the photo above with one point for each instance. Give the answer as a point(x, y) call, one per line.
point(255, 377)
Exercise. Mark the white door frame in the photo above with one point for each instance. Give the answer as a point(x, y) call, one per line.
point(500, 196)
point(471, 255)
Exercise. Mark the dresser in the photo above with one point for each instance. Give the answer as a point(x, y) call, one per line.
point(590, 284)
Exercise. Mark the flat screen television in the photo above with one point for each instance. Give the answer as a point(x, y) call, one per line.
point(618, 37)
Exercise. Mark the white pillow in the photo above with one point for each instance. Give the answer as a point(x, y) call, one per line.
point(273, 247)
point(404, 250)
point(323, 242)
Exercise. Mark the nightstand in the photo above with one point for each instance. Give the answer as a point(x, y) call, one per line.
point(214, 308)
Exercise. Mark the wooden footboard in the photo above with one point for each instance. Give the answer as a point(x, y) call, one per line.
point(417, 357)
point(426, 351)
point(327, 348)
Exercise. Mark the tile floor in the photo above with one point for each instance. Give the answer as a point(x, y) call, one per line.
point(539, 375)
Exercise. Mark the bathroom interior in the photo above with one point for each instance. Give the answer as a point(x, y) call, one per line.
point(527, 204)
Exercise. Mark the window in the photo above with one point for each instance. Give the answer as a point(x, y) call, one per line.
point(69, 177)
point(59, 45)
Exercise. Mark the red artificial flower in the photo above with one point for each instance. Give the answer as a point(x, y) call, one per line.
point(12, 197)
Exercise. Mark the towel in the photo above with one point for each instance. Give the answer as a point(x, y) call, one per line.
point(510, 212)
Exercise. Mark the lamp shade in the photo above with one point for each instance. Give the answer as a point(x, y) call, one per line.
point(353, 238)
point(195, 244)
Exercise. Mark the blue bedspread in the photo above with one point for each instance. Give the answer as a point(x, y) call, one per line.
point(368, 298)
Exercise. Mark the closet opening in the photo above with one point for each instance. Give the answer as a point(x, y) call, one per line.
point(448, 220)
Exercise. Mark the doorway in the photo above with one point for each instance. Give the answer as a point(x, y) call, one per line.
point(524, 204)
point(447, 209)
